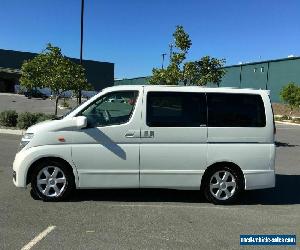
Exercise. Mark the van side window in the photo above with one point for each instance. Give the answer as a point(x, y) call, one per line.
point(235, 110)
point(176, 109)
point(111, 109)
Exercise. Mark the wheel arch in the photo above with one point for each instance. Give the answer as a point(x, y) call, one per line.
point(52, 158)
point(229, 164)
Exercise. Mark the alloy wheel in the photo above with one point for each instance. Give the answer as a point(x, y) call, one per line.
point(222, 185)
point(51, 181)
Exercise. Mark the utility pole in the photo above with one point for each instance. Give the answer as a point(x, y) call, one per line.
point(171, 50)
point(163, 59)
point(81, 40)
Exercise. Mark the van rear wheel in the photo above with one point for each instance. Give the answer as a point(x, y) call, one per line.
point(223, 185)
point(52, 181)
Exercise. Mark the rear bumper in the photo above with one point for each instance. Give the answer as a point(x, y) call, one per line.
point(259, 179)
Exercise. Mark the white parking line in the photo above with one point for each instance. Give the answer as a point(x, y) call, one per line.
point(38, 238)
point(169, 206)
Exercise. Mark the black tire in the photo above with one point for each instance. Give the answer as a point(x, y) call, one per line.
point(211, 192)
point(64, 174)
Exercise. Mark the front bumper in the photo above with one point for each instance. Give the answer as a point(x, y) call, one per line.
point(19, 171)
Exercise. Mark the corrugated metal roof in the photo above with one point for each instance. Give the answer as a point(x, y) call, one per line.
point(265, 61)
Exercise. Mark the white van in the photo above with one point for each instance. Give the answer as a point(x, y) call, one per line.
point(219, 140)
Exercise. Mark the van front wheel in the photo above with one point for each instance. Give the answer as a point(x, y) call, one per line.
point(222, 185)
point(52, 181)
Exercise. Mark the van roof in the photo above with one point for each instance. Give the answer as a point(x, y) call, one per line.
point(187, 89)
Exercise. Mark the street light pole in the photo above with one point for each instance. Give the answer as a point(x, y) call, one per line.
point(163, 59)
point(81, 40)
point(171, 50)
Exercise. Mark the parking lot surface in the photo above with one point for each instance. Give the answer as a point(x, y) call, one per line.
point(150, 219)
point(21, 103)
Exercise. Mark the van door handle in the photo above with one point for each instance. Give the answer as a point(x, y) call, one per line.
point(133, 134)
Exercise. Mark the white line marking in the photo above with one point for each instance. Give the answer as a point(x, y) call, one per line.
point(38, 238)
point(169, 206)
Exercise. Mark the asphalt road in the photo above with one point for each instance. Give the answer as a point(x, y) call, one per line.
point(151, 219)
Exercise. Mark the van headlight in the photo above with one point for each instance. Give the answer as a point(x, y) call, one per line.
point(25, 140)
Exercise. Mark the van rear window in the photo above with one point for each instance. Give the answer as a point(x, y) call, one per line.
point(235, 110)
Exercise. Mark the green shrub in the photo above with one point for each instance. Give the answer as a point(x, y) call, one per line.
point(284, 117)
point(25, 120)
point(43, 117)
point(290, 94)
point(8, 118)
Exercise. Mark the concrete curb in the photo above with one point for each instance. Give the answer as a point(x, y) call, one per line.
point(288, 123)
point(11, 131)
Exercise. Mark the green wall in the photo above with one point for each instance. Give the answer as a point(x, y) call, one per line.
point(133, 81)
point(254, 76)
point(281, 73)
point(271, 75)
point(232, 77)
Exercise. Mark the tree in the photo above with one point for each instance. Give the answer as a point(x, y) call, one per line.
point(52, 70)
point(290, 94)
point(32, 73)
point(201, 72)
point(173, 74)
point(210, 70)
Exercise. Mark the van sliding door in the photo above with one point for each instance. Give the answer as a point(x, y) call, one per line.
point(173, 139)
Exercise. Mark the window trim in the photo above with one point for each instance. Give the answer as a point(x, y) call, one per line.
point(205, 114)
point(108, 93)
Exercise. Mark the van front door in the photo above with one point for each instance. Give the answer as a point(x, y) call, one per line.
point(106, 153)
point(173, 139)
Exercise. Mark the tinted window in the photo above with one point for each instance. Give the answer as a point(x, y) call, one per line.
point(175, 109)
point(235, 110)
point(111, 109)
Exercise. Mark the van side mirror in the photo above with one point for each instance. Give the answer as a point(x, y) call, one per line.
point(76, 122)
point(81, 122)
